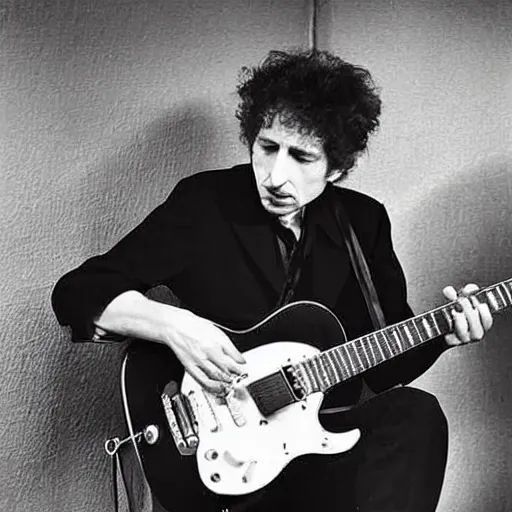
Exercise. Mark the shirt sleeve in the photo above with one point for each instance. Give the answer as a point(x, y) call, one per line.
point(390, 284)
point(154, 252)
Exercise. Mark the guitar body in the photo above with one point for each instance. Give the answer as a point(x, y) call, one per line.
point(246, 450)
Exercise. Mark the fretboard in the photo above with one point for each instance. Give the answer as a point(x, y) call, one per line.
point(352, 358)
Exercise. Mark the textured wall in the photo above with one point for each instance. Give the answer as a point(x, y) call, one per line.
point(105, 104)
point(442, 163)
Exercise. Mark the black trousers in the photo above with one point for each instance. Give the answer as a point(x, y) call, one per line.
point(397, 466)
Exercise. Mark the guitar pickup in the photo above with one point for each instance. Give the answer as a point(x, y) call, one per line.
point(181, 419)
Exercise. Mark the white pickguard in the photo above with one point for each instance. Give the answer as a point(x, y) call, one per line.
point(239, 459)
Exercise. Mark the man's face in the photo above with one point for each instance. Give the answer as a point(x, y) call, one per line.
point(290, 168)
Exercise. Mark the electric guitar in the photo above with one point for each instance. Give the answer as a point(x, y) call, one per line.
point(195, 447)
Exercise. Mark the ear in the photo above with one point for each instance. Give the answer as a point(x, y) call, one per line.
point(334, 175)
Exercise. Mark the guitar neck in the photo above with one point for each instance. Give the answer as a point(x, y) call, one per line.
point(352, 358)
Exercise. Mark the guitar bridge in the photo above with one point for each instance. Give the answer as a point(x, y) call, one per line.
point(181, 419)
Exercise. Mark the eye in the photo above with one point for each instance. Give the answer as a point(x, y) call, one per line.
point(269, 148)
point(302, 158)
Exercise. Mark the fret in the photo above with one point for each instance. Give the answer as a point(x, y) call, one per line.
point(509, 296)
point(338, 363)
point(371, 349)
point(342, 361)
point(434, 321)
point(334, 368)
point(328, 369)
point(398, 341)
point(448, 318)
point(331, 364)
point(446, 314)
point(419, 332)
point(322, 376)
point(380, 348)
point(406, 335)
point(309, 372)
point(317, 379)
point(350, 358)
point(386, 342)
point(497, 297)
point(492, 300)
point(322, 370)
point(420, 336)
point(357, 355)
point(427, 328)
point(306, 378)
point(403, 335)
point(409, 335)
point(502, 297)
point(352, 368)
point(316, 373)
point(363, 346)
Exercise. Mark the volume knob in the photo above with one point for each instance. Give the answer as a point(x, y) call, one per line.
point(151, 434)
point(211, 455)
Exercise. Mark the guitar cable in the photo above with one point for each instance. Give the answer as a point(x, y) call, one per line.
point(118, 468)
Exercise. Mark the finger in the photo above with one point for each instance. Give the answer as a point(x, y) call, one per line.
point(452, 340)
point(230, 350)
point(450, 293)
point(227, 346)
point(234, 368)
point(230, 365)
point(485, 313)
point(225, 362)
point(474, 326)
point(468, 290)
point(215, 371)
point(213, 386)
point(460, 325)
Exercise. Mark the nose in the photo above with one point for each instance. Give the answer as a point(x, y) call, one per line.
point(279, 170)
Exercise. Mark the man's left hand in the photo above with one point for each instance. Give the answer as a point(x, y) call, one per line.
point(471, 319)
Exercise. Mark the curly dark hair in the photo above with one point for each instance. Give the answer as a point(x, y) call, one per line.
point(315, 92)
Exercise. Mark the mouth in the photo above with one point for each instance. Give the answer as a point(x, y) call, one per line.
point(279, 196)
point(280, 200)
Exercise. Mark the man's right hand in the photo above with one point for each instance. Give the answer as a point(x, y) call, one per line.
point(207, 354)
point(205, 351)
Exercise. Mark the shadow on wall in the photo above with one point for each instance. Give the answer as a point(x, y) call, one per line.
point(460, 231)
point(466, 222)
point(131, 180)
point(463, 231)
point(114, 196)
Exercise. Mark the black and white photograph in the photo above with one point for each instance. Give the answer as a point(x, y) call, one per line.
point(257, 255)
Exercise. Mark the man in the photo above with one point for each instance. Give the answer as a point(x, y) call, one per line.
point(236, 244)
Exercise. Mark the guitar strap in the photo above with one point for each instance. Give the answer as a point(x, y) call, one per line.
point(360, 267)
point(363, 276)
